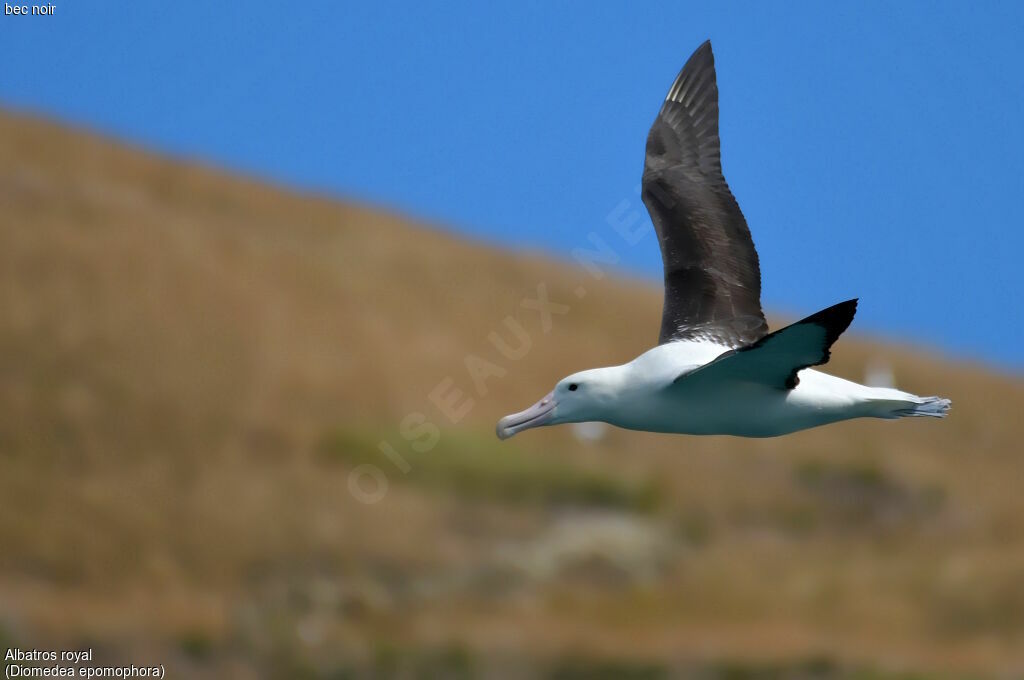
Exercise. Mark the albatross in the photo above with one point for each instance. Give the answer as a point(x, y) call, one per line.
point(716, 369)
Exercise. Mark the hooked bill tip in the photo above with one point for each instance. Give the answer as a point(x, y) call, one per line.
point(502, 429)
point(538, 414)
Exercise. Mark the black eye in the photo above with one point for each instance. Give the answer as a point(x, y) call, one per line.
point(573, 387)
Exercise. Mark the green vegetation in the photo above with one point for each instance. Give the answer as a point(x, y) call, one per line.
point(859, 494)
point(860, 476)
point(811, 668)
point(476, 466)
point(585, 668)
point(196, 644)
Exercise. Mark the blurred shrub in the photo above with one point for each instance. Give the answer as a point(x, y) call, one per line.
point(585, 668)
point(474, 466)
point(859, 494)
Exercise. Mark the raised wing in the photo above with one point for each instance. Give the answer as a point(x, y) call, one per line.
point(712, 275)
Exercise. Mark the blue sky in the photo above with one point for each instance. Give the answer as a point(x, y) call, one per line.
point(877, 149)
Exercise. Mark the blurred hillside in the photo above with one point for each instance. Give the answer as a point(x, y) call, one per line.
point(192, 364)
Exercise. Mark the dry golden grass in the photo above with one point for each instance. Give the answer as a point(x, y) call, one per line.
point(179, 349)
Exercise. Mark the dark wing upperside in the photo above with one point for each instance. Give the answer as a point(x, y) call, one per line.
point(712, 275)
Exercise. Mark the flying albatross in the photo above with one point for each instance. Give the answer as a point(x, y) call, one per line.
point(716, 369)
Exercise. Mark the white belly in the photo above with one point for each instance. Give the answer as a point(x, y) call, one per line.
point(747, 409)
point(652, 401)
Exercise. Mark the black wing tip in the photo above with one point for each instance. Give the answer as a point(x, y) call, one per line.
point(835, 319)
point(702, 57)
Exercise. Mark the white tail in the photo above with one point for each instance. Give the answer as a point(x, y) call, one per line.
point(890, 403)
point(933, 407)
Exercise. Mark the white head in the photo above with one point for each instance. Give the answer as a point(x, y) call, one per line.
point(587, 395)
